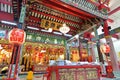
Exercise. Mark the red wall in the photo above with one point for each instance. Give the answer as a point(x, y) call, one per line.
point(6, 16)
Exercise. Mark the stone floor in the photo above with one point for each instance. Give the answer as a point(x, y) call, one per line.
point(103, 78)
point(40, 77)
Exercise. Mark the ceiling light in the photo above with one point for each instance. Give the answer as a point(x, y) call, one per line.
point(57, 33)
point(44, 30)
point(68, 35)
point(77, 36)
point(64, 29)
point(50, 30)
point(33, 28)
point(7, 22)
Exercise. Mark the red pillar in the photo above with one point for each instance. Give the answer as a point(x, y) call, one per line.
point(105, 28)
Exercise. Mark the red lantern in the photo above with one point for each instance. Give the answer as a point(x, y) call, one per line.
point(105, 48)
point(17, 36)
point(109, 69)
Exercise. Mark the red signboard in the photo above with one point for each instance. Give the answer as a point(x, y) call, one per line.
point(17, 36)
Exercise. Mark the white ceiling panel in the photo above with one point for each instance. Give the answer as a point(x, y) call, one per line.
point(116, 16)
point(114, 4)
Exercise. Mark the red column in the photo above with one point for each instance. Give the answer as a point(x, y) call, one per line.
point(105, 28)
point(13, 67)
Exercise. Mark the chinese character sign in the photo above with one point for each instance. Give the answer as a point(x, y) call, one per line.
point(17, 36)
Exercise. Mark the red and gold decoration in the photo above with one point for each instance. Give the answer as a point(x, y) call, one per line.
point(5, 53)
point(17, 36)
point(40, 68)
point(74, 54)
point(102, 4)
point(46, 24)
point(90, 59)
point(84, 54)
point(109, 71)
point(42, 16)
point(84, 72)
point(40, 54)
point(27, 58)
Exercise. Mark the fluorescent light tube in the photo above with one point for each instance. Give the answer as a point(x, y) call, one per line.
point(7, 22)
point(57, 33)
point(68, 35)
point(50, 30)
point(33, 28)
point(44, 30)
point(76, 36)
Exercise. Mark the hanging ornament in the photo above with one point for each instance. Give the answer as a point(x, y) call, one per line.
point(64, 29)
point(17, 36)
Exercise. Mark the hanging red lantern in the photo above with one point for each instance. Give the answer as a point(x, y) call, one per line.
point(17, 36)
point(105, 48)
